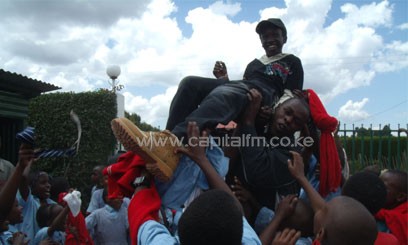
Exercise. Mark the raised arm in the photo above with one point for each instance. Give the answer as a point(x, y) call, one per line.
point(58, 221)
point(285, 209)
point(8, 193)
point(220, 70)
point(24, 187)
point(296, 168)
point(196, 151)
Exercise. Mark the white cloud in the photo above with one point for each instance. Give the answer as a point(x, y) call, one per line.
point(154, 110)
point(220, 8)
point(72, 46)
point(403, 26)
point(353, 111)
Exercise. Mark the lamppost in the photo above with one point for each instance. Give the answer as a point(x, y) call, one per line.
point(113, 72)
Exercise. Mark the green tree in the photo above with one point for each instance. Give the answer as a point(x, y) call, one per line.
point(362, 131)
point(386, 130)
point(135, 118)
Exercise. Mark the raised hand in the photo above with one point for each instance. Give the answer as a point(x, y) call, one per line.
point(242, 194)
point(296, 166)
point(286, 237)
point(195, 149)
point(220, 70)
point(252, 109)
point(26, 155)
point(287, 206)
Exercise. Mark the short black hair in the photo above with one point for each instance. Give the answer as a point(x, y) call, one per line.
point(34, 176)
point(59, 184)
point(44, 214)
point(367, 188)
point(214, 218)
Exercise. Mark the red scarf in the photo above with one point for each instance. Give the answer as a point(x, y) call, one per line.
point(397, 221)
point(75, 232)
point(144, 206)
point(122, 173)
point(330, 167)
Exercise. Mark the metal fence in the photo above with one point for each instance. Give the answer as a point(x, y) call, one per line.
point(383, 146)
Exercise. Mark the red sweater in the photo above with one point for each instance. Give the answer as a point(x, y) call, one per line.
point(397, 221)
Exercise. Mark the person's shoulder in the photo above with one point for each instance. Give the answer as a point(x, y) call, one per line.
point(249, 236)
point(6, 166)
point(290, 56)
point(41, 233)
point(152, 232)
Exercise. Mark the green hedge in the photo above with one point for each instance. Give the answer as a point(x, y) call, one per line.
point(50, 115)
point(386, 151)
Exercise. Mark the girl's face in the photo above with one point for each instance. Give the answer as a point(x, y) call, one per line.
point(15, 216)
point(42, 187)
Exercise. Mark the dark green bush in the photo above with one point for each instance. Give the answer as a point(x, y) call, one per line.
point(50, 115)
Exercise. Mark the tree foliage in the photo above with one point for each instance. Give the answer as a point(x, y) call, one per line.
point(135, 118)
point(385, 131)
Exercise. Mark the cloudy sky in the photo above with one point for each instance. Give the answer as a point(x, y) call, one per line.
point(354, 53)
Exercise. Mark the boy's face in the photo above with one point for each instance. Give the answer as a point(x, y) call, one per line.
point(115, 203)
point(272, 41)
point(42, 187)
point(289, 117)
point(96, 176)
point(391, 183)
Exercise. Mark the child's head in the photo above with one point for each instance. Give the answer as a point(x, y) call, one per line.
point(46, 215)
point(40, 184)
point(212, 218)
point(58, 185)
point(396, 184)
point(301, 219)
point(16, 214)
point(114, 203)
point(367, 188)
point(344, 221)
point(290, 116)
point(96, 175)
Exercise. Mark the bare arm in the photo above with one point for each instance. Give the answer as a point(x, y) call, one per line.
point(296, 168)
point(24, 185)
point(8, 193)
point(196, 152)
point(285, 209)
point(58, 221)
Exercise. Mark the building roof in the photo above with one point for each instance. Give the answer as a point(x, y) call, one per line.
point(19, 84)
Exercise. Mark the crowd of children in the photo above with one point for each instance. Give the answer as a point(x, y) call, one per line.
point(194, 189)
